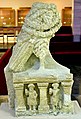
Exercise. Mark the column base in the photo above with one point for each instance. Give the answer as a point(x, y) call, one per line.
point(43, 109)
point(68, 109)
point(20, 111)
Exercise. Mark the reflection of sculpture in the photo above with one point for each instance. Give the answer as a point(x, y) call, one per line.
point(31, 57)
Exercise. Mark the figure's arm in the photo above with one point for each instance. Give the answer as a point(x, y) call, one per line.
point(50, 91)
point(26, 92)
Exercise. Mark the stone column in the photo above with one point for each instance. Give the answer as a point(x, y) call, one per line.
point(67, 104)
point(43, 106)
point(77, 20)
point(67, 92)
point(20, 107)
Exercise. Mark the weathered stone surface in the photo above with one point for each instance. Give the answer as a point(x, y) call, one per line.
point(34, 79)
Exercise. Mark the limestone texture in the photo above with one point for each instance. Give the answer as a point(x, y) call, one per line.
point(37, 84)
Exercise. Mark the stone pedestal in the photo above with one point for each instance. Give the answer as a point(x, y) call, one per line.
point(43, 106)
point(6, 113)
point(60, 90)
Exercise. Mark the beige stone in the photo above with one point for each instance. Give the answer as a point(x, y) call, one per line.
point(32, 72)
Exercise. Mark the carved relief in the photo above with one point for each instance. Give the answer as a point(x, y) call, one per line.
point(32, 65)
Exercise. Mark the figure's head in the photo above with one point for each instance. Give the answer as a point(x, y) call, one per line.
point(55, 85)
point(43, 20)
point(31, 87)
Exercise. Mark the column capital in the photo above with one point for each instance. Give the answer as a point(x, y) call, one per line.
point(18, 86)
point(42, 84)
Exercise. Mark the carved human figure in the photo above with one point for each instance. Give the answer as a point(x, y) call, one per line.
point(32, 97)
point(54, 97)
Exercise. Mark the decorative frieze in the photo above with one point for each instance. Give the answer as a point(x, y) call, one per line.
point(53, 97)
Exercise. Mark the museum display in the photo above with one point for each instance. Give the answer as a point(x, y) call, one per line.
point(7, 16)
point(36, 83)
point(21, 14)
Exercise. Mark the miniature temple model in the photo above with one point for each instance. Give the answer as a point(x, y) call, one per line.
point(36, 83)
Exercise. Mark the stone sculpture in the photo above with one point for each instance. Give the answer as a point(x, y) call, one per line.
point(32, 63)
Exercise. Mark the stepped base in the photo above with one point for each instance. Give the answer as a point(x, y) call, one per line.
point(7, 113)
